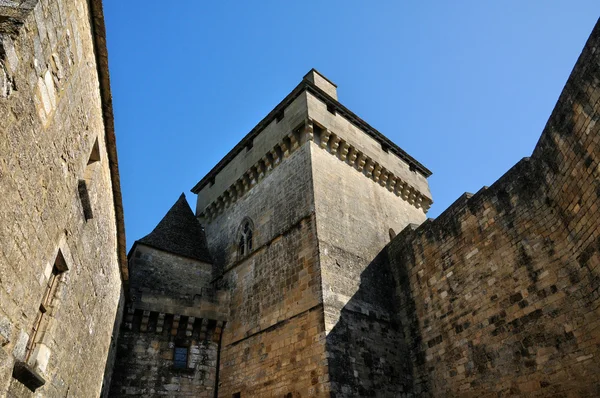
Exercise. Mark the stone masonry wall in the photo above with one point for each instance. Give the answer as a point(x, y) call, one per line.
point(354, 216)
point(51, 116)
point(159, 272)
point(273, 342)
point(145, 356)
point(171, 305)
point(500, 294)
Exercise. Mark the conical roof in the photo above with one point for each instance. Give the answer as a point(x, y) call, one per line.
point(179, 232)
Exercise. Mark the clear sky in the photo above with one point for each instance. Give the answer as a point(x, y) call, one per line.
point(465, 87)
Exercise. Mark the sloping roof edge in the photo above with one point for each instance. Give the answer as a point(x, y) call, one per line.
point(179, 232)
point(306, 85)
point(101, 52)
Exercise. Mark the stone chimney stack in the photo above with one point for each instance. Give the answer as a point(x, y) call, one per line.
point(322, 82)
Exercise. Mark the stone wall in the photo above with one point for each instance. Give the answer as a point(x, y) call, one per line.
point(52, 137)
point(500, 294)
point(158, 272)
point(172, 304)
point(145, 359)
point(259, 153)
point(355, 212)
point(275, 321)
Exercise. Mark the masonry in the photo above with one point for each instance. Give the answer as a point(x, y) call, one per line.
point(500, 294)
point(62, 248)
point(309, 267)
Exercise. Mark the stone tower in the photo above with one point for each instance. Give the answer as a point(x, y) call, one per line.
point(293, 215)
point(251, 296)
point(290, 280)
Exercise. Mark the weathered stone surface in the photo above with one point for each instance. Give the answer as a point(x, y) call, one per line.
point(145, 365)
point(52, 112)
point(172, 305)
point(499, 295)
point(496, 297)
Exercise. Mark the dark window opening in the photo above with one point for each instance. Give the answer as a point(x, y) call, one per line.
point(245, 243)
point(152, 321)
point(84, 197)
point(331, 108)
point(136, 323)
point(211, 182)
point(279, 116)
point(385, 147)
point(249, 145)
point(180, 356)
point(237, 395)
point(412, 167)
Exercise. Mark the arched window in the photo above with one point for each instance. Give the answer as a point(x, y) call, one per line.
point(245, 238)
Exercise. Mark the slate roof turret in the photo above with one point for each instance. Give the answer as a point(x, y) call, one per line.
point(179, 232)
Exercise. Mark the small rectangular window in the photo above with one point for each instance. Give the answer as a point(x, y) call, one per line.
point(84, 197)
point(180, 356)
point(331, 108)
point(237, 395)
point(280, 115)
point(385, 147)
point(249, 145)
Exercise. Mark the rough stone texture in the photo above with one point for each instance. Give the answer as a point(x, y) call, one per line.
point(270, 136)
point(50, 119)
point(144, 365)
point(354, 215)
point(499, 296)
point(275, 290)
point(304, 181)
point(172, 304)
point(160, 272)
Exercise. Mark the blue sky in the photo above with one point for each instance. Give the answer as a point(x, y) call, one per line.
point(465, 87)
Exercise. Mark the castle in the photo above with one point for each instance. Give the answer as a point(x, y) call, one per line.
point(309, 267)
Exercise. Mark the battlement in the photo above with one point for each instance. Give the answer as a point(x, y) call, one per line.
point(311, 111)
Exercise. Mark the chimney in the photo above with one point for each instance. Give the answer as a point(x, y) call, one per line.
point(322, 82)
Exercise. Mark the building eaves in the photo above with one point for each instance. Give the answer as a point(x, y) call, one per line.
point(305, 85)
point(101, 52)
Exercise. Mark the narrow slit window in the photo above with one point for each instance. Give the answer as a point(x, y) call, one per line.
point(84, 184)
point(245, 238)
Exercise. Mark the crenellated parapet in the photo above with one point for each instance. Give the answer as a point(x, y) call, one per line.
point(258, 171)
point(371, 168)
point(146, 321)
point(333, 144)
